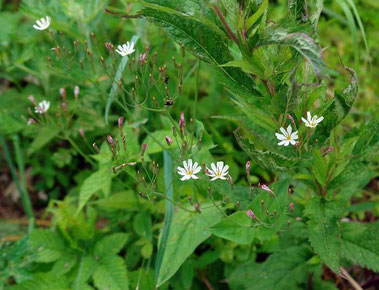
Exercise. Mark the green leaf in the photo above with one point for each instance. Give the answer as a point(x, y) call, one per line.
point(111, 273)
point(319, 167)
point(337, 109)
point(197, 34)
point(83, 271)
point(360, 244)
point(111, 244)
point(49, 245)
point(44, 281)
point(253, 18)
point(285, 269)
point(45, 135)
point(236, 228)
point(302, 42)
point(187, 231)
point(251, 67)
point(100, 180)
point(324, 230)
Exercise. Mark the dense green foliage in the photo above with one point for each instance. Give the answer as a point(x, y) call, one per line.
point(97, 173)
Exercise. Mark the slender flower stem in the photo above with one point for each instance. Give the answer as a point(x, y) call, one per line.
point(195, 103)
point(73, 144)
point(174, 202)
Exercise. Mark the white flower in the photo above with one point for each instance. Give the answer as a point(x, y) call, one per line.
point(312, 122)
point(218, 172)
point(42, 107)
point(287, 137)
point(189, 170)
point(126, 48)
point(43, 23)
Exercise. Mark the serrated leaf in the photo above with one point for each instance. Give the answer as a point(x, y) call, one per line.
point(360, 244)
point(49, 245)
point(111, 273)
point(187, 231)
point(285, 269)
point(324, 230)
point(111, 244)
point(83, 271)
point(44, 281)
point(100, 180)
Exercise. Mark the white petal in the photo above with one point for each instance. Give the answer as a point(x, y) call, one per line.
point(309, 117)
point(280, 136)
point(282, 142)
point(292, 142)
point(214, 178)
point(286, 143)
point(194, 176)
point(196, 169)
point(289, 129)
point(186, 177)
point(185, 165)
point(189, 164)
point(305, 122)
point(225, 169)
point(319, 119)
point(214, 168)
point(284, 131)
point(222, 177)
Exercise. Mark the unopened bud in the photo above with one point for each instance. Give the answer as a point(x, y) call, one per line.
point(62, 92)
point(190, 200)
point(154, 200)
point(291, 206)
point(231, 181)
point(168, 140)
point(266, 188)
point(174, 131)
point(197, 207)
point(81, 132)
point(76, 92)
point(110, 139)
point(250, 214)
point(143, 149)
point(33, 100)
point(31, 121)
point(96, 148)
point(238, 204)
point(330, 149)
point(291, 119)
point(182, 121)
point(248, 167)
point(120, 122)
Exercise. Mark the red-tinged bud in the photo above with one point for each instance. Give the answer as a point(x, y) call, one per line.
point(76, 92)
point(238, 204)
point(143, 149)
point(31, 121)
point(63, 93)
point(329, 150)
point(291, 206)
point(31, 98)
point(248, 163)
point(190, 200)
point(108, 45)
point(110, 139)
point(197, 207)
point(262, 203)
point(64, 106)
point(120, 122)
point(297, 144)
point(231, 181)
point(291, 119)
point(142, 58)
point(266, 188)
point(250, 214)
point(154, 200)
point(182, 121)
point(168, 140)
point(81, 132)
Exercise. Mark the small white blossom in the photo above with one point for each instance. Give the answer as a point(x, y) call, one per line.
point(126, 48)
point(287, 137)
point(42, 23)
point(42, 107)
point(312, 122)
point(189, 170)
point(218, 172)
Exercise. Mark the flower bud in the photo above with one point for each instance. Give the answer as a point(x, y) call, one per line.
point(81, 132)
point(231, 181)
point(31, 98)
point(76, 92)
point(248, 167)
point(250, 214)
point(197, 207)
point(291, 119)
point(266, 188)
point(63, 93)
point(143, 149)
point(291, 206)
point(168, 140)
point(31, 121)
point(120, 122)
point(110, 139)
point(182, 121)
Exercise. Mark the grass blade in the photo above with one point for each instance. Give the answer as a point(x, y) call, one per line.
point(169, 213)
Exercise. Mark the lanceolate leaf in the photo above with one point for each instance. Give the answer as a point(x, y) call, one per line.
point(324, 230)
point(360, 244)
point(187, 231)
point(300, 41)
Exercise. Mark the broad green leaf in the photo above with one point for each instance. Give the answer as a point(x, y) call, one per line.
point(100, 180)
point(285, 269)
point(302, 42)
point(237, 228)
point(360, 244)
point(324, 230)
point(200, 37)
point(111, 273)
point(251, 67)
point(319, 167)
point(49, 245)
point(253, 18)
point(187, 231)
point(44, 281)
point(83, 271)
point(111, 244)
point(45, 135)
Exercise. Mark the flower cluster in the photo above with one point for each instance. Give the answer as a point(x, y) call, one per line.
point(288, 137)
point(218, 171)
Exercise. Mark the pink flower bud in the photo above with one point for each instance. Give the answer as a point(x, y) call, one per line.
point(76, 92)
point(81, 132)
point(330, 149)
point(182, 121)
point(266, 188)
point(231, 181)
point(291, 206)
point(108, 45)
point(291, 119)
point(143, 149)
point(248, 167)
point(168, 140)
point(197, 207)
point(32, 99)
point(142, 57)
point(64, 106)
point(110, 139)
point(31, 121)
point(62, 92)
point(250, 214)
point(120, 122)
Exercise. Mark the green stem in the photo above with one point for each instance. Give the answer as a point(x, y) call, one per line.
point(73, 144)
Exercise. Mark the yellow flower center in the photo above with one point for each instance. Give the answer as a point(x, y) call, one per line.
point(218, 173)
point(190, 172)
point(288, 137)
